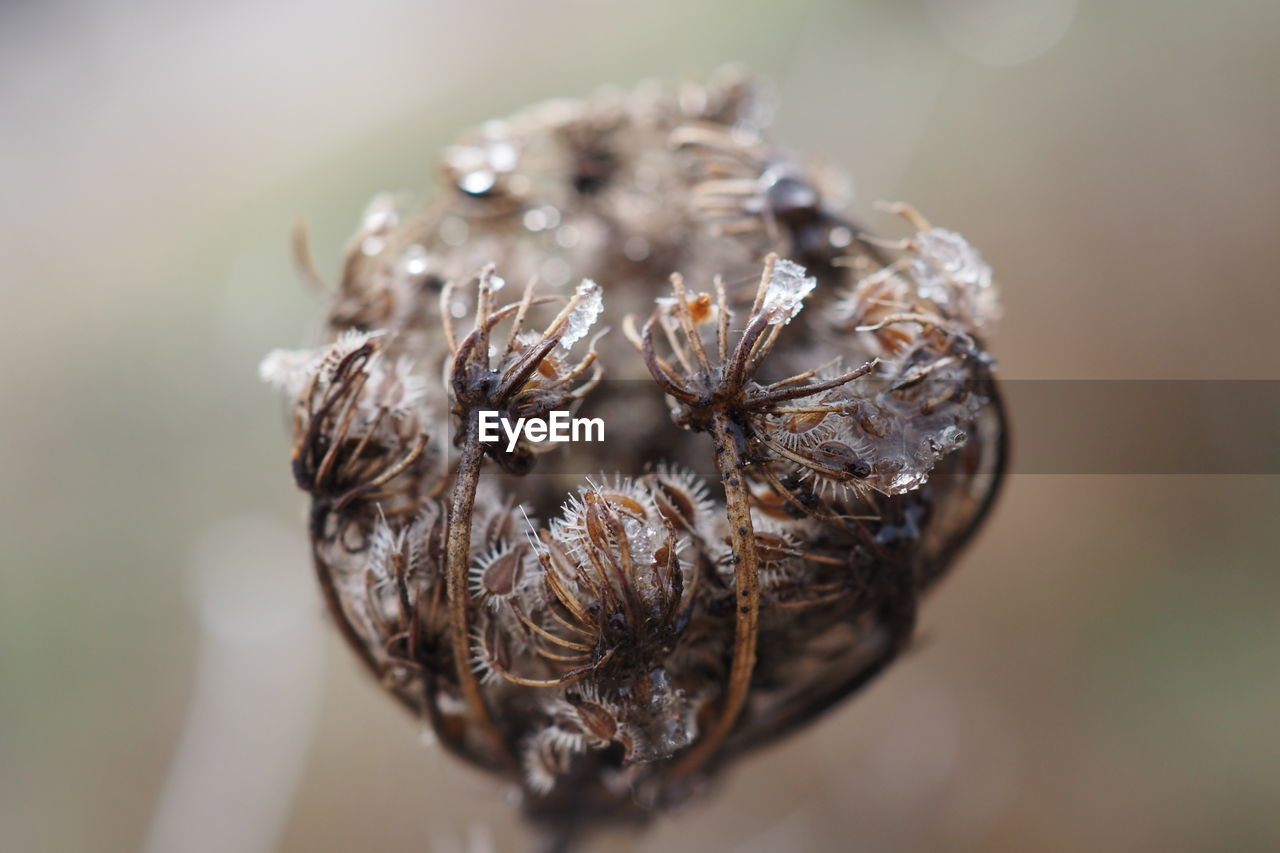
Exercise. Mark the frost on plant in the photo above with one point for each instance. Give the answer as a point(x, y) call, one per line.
point(798, 442)
point(786, 289)
point(584, 314)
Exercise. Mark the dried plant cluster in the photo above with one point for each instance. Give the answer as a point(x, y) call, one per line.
point(597, 622)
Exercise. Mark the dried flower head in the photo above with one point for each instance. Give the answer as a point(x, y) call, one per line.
point(673, 614)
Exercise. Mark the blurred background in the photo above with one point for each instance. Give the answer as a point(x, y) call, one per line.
point(1099, 672)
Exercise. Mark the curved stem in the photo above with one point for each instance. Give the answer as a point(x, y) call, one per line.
point(746, 572)
point(457, 561)
point(319, 515)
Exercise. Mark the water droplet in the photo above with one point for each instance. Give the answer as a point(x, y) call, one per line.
point(415, 259)
point(372, 245)
point(478, 182)
point(840, 237)
point(458, 308)
point(789, 192)
point(496, 283)
point(380, 214)
point(503, 157)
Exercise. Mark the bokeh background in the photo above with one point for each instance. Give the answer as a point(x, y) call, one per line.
point(1099, 673)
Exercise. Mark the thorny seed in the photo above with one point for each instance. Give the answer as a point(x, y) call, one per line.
point(659, 626)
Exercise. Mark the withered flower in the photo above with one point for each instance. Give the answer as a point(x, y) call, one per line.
point(673, 614)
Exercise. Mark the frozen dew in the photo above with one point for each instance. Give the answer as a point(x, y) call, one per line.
point(372, 245)
point(380, 214)
point(503, 157)
point(584, 314)
point(415, 259)
point(290, 370)
point(786, 290)
point(641, 540)
point(840, 237)
point(496, 283)
point(287, 369)
point(478, 182)
point(950, 273)
point(950, 438)
point(477, 167)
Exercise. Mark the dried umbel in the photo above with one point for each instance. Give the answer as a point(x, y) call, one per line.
point(800, 435)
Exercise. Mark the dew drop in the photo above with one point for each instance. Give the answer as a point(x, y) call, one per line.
point(380, 214)
point(503, 157)
point(950, 273)
point(478, 182)
point(415, 259)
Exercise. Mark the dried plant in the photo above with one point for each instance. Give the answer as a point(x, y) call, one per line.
point(611, 661)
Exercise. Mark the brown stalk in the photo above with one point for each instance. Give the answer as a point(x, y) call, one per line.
point(457, 560)
point(746, 574)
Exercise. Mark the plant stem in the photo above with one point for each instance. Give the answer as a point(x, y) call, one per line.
point(746, 573)
point(457, 561)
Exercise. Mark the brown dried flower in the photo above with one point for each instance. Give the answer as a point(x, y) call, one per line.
point(658, 627)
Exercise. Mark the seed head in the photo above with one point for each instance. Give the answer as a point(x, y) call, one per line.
point(797, 444)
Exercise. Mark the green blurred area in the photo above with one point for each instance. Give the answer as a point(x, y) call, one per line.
point(1099, 672)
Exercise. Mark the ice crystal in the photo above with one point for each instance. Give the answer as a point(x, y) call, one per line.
point(952, 274)
point(787, 288)
point(415, 259)
point(584, 314)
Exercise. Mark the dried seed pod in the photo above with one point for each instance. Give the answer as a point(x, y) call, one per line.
point(610, 591)
point(661, 625)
